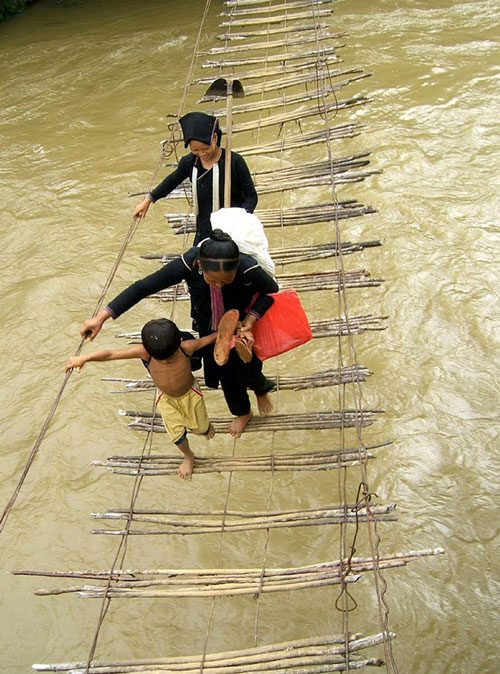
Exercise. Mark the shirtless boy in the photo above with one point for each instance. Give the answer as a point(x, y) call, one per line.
point(167, 358)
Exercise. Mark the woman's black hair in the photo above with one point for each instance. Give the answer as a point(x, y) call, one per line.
point(161, 338)
point(219, 252)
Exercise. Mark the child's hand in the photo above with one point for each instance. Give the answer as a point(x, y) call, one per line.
point(246, 335)
point(76, 361)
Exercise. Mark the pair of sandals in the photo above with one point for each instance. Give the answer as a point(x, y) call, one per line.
point(227, 339)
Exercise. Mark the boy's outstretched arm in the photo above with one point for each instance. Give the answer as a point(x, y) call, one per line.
point(107, 354)
point(192, 345)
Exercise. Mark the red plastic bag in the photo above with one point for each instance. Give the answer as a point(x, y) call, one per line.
point(283, 327)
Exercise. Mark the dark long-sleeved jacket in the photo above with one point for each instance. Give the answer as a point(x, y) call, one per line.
point(243, 194)
point(250, 279)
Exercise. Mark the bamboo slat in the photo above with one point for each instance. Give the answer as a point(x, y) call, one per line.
point(344, 375)
point(278, 422)
point(318, 28)
point(299, 114)
point(294, 41)
point(315, 64)
point(291, 142)
point(294, 79)
point(287, 217)
point(267, 8)
point(283, 101)
point(270, 655)
point(236, 582)
point(300, 282)
point(333, 172)
point(166, 523)
point(283, 256)
point(270, 58)
point(288, 17)
point(328, 327)
point(168, 464)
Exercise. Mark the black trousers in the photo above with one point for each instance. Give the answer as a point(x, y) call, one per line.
point(235, 377)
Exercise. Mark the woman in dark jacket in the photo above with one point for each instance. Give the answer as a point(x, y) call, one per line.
point(219, 278)
point(205, 167)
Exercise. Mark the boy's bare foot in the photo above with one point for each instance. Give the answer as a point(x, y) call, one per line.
point(210, 433)
point(265, 404)
point(237, 425)
point(185, 471)
point(225, 332)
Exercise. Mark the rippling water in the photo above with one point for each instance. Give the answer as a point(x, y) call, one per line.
point(85, 90)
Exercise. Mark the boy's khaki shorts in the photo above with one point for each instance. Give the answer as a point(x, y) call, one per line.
point(187, 412)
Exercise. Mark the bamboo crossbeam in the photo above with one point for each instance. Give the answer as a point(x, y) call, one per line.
point(344, 375)
point(283, 256)
point(316, 64)
point(251, 3)
point(294, 41)
point(270, 58)
point(328, 327)
point(135, 575)
point(288, 217)
point(336, 172)
point(279, 30)
point(201, 523)
point(267, 8)
point(298, 141)
point(168, 464)
point(294, 16)
point(186, 223)
point(322, 661)
point(300, 282)
point(235, 582)
point(145, 421)
point(271, 654)
point(293, 80)
point(299, 114)
point(284, 101)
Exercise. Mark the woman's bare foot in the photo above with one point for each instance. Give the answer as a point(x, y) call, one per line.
point(237, 425)
point(185, 471)
point(210, 433)
point(265, 404)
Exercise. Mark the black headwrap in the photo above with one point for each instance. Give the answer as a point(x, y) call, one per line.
point(201, 127)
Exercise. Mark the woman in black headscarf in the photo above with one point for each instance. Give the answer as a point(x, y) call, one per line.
point(205, 167)
point(219, 278)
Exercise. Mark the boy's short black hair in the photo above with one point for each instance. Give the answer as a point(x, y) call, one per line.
point(161, 338)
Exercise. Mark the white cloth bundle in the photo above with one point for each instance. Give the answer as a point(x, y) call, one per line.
point(247, 231)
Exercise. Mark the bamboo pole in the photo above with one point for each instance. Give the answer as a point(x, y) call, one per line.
point(316, 65)
point(293, 4)
point(304, 76)
point(311, 646)
point(270, 58)
point(318, 28)
point(299, 282)
point(294, 41)
point(235, 582)
point(328, 327)
point(283, 256)
point(293, 99)
point(288, 17)
point(344, 375)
